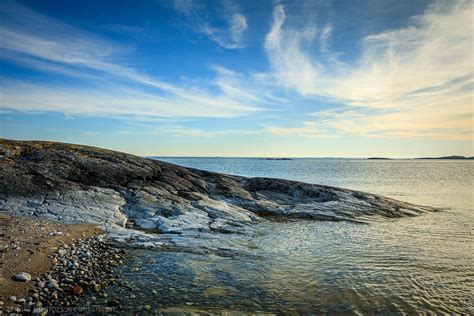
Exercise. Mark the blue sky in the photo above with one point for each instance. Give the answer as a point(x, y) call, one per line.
point(241, 78)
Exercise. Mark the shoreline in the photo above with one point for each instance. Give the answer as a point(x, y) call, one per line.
point(51, 258)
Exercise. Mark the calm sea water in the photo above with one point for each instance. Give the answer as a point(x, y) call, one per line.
point(412, 265)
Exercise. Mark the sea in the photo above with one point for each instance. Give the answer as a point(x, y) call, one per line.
point(415, 265)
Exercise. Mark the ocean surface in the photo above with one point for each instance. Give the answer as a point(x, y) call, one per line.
point(415, 265)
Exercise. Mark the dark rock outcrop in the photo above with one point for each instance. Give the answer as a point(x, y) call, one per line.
point(77, 184)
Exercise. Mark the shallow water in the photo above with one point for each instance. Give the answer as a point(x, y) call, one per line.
point(409, 265)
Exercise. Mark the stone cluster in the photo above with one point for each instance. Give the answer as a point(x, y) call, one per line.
point(80, 268)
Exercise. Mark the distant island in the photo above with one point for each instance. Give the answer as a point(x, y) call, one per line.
point(431, 158)
point(448, 157)
point(277, 158)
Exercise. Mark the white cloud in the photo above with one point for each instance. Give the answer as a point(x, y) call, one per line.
point(54, 47)
point(91, 133)
point(308, 129)
point(256, 88)
point(291, 66)
point(416, 81)
point(324, 37)
point(116, 102)
point(183, 131)
point(198, 19)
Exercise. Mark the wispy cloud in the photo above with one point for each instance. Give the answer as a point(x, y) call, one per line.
point(308, 129)
point(291, 65)
point(39, 42)
point(324, 37)
point(91, 133)
point(415, 81)
point(230, 36)
point(183, 131)
point(117, 101)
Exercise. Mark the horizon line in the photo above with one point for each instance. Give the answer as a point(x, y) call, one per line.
point(460, 157)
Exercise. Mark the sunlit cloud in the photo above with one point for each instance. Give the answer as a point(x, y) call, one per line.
point(183, 131)
point(415, 81)
point(116, 102)
point(308, 129)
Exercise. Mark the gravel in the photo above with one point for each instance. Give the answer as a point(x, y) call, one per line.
point(83, 267)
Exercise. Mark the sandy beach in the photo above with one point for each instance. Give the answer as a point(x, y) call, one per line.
point(26, 245)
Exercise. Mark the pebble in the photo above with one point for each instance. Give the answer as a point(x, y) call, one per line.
point(147, 307)
point(77, 290)
point(67, 281)
point(113, 303)
point(97, 288)
point(84, 267)
point(21, 301)
point(62, 251)
point(23, 277)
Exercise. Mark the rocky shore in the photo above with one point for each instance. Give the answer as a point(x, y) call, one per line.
point(48, 267)
point(130, 196)
point(58, 200)
point(79, 268)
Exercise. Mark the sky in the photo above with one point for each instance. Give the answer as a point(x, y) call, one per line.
point(323, 78)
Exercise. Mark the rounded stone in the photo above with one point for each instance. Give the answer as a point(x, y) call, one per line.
point(97, 288)
point(23, 277)
point(77, 290)
point(54, 295)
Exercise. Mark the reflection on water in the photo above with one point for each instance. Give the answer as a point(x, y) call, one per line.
point(407, 265)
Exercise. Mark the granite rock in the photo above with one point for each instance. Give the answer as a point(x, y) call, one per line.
point(126, 194)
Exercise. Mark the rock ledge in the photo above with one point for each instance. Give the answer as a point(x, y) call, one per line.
point(122, 192)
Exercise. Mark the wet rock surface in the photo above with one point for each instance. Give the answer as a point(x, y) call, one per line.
point(130, 196)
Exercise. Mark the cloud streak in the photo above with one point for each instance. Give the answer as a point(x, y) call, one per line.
point(415, 81)
point(54, 47)
point(230, 36)
point(118, 101)
point(183, 131)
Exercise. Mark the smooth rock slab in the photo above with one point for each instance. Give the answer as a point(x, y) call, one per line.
point(123, 193)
